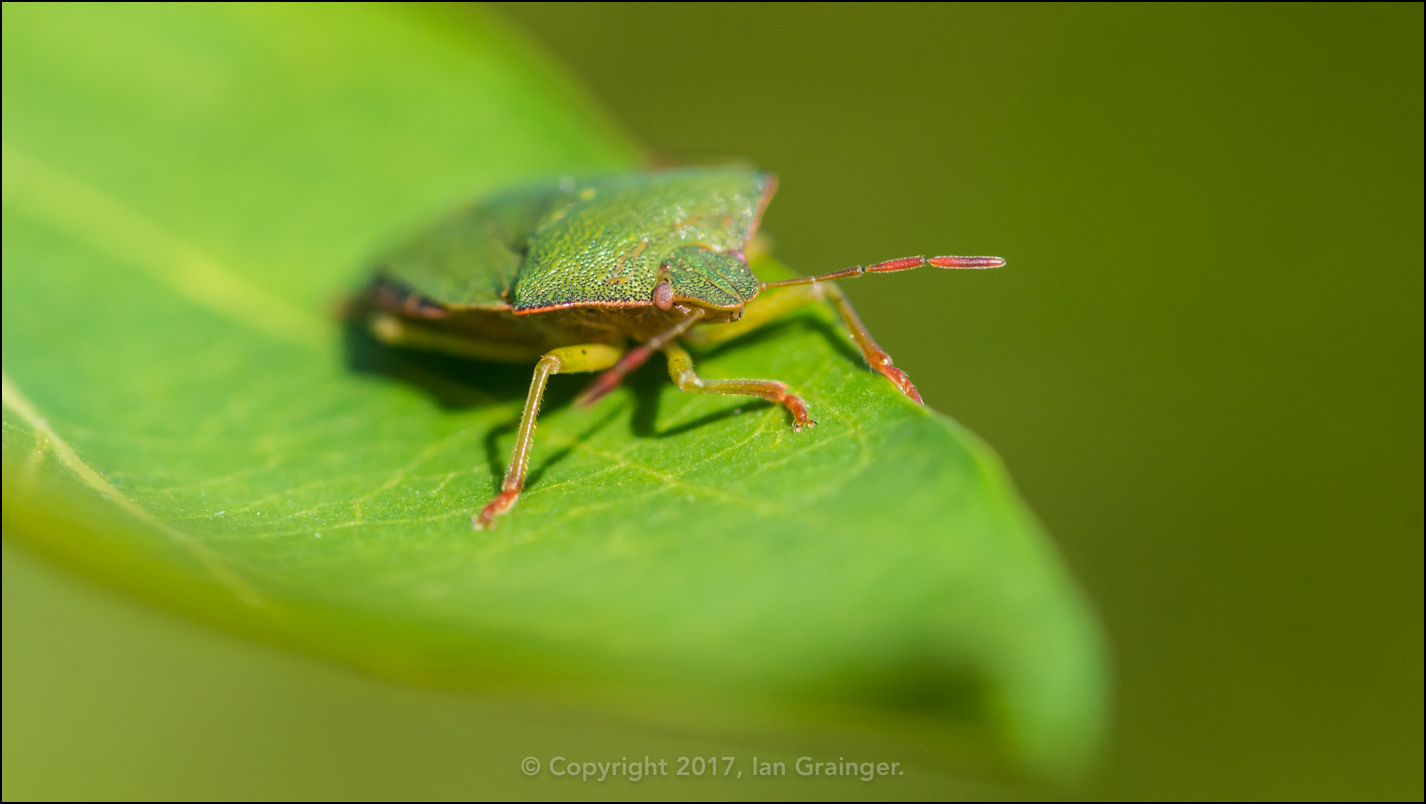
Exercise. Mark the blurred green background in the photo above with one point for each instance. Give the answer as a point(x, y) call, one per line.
point(1203, 366)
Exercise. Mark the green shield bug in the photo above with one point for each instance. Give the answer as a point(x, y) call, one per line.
point(567, 275)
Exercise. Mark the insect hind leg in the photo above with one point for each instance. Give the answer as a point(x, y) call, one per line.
point(395, 331)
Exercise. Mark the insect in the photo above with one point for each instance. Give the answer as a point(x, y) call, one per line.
point(569, 274)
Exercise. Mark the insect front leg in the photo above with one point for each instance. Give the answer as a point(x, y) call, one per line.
point(680, 369)
point(780, 301)
point(566, 359)
point(632, 359)
point(875, 356)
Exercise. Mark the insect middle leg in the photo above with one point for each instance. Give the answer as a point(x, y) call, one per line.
point(566, 359)
point(781, 301)
point(680, 369)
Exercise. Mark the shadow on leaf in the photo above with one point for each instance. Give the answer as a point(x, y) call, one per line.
point(458, 383)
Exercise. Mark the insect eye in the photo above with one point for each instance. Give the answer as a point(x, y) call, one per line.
point(663, 294)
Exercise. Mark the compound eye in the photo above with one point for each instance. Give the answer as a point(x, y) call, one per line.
point(663, 295)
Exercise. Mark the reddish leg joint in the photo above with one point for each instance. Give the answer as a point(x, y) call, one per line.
point(881, 361)
point(503, 502)
point(798, 409)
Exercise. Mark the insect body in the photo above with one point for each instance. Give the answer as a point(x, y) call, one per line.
point(568, 275)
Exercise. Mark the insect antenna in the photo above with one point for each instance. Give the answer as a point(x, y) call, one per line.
point(890, 266)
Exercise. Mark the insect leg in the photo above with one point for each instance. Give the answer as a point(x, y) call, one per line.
point(875, 356)
point(394, 331)
point(588, 357)
point(631, 360)
point(784, 300)
point(680, 368)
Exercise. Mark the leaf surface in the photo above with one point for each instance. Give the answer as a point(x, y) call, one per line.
point(188, 194)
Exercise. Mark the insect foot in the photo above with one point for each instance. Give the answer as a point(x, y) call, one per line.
point(798, 408)
point(902, 381)
point(485, 520)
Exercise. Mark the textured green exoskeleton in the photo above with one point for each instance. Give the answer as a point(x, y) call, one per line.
point(567, 274)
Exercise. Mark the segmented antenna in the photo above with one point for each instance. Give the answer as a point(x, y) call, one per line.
point(891, 266)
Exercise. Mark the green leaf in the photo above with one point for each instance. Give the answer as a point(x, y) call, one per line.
point(189, 191)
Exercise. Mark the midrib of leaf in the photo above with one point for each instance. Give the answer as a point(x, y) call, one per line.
point(48, 196)
point(17, 402)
